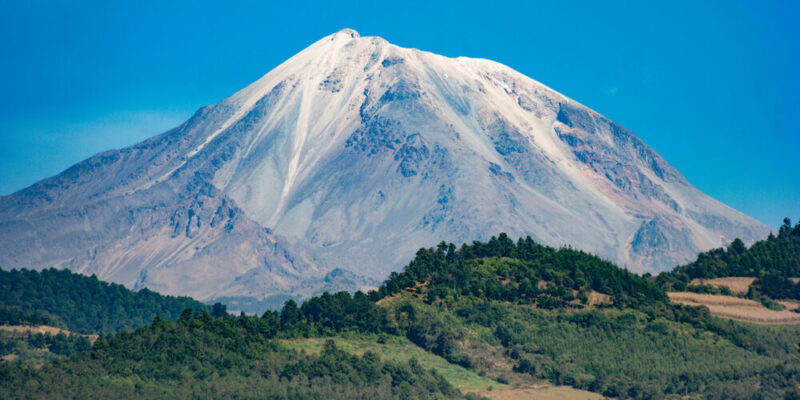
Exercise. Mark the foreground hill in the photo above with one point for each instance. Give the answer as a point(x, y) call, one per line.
point(223, 358)
point(84, 304)
point(515, 313)
point(474, 304)
point(352, 154)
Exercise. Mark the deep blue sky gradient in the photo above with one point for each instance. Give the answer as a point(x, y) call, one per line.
point(713, 87)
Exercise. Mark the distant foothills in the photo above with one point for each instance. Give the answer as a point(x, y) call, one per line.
point(487, 319)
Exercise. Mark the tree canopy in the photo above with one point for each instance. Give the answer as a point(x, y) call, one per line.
point(87, 304)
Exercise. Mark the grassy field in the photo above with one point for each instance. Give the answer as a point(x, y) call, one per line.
point(736, 308)
point(399, 349)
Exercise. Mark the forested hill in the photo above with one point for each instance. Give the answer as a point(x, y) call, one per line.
point(777, 254)
point(86, 304)
point(772, 261)
point(536, 308)
point(231, 358)
point(510, 312)
point(524, 272)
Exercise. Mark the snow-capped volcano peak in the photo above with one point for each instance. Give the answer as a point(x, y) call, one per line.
point(352, 154)
point(346, 33)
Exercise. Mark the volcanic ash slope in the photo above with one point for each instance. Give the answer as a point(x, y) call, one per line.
point(331, 170)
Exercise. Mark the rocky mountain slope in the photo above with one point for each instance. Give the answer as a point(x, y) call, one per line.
point(332, 169)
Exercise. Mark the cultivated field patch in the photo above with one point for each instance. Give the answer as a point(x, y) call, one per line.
point(539, 392)
point(736, 308)
point(737, 284)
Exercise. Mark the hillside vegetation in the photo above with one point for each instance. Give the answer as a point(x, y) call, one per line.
point(202, 357)
point(514, 313)
point(459, 303)
point(36, 347)
point(772, 262)
point(34, 338)
point(10, 315)
point(86, 304)
point(523, 272)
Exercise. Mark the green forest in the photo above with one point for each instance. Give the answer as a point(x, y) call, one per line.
point(86, 304)
point(202, 357)
point(11, 315)
point(503, 309)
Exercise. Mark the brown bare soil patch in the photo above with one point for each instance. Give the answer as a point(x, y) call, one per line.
point(541, 285)
point(34, 329)
point(595, 298)
point(736, 308)
point(737, 284)
point(543, 392)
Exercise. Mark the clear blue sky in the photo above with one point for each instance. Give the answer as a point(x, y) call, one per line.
point(714, 87)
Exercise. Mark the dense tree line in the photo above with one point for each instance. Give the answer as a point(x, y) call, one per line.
point(34, 349)
point(86, 304)
point(10, 315)
point(772, 261)
point(229, 357)
point(524, 272)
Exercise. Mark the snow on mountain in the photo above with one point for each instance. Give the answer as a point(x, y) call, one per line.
point(349, 156)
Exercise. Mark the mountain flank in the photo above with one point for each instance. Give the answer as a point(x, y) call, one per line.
point(331, 170)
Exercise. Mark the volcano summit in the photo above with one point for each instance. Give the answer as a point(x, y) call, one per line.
point(331, 170)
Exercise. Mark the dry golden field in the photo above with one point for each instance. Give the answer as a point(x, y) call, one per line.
point(33, 329)
point(542, 392)
point(736, 308)
point(737, 284)
point(42, 329)
point(789, 304)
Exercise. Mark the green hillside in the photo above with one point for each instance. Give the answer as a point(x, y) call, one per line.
point(772, 261)
point(202, 357)
point(523, 272)
point(86, 304)
point(458, 303)
point(495, 314)
point(10, 315)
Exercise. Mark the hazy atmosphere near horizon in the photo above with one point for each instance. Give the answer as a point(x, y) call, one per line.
point(712, 87)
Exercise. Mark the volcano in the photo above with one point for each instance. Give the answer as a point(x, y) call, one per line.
point(330, 171)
